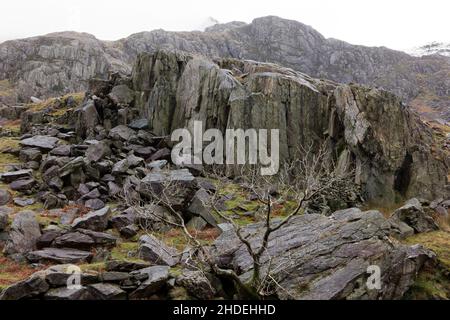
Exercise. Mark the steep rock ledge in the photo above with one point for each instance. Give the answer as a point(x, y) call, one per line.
point(368, 129)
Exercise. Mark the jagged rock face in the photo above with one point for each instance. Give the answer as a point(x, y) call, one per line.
point(59, 63)
point(56, 63)
point(367, 129)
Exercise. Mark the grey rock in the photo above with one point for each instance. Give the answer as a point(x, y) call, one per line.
point(157, 165)
point(58, 275)
point(113, 189)
point(94, 204)
point(12, 112)
point(29, 288)
point(87, 118)
point(125, 266)
point(56, 183)
point(144, 152)
point(114, 276)
point(107, 291)
point(24, 233)
point(134, 161)
point(5, 197)
point(93, 194)
point(23, 184)
point(3, 220)
point(74, 240)
point(98, 151)
point(68, 294)
point(156, 278)
point(352, 119)
point(9, 177)
point(139, 124)
point(30, 154)
point(197, 284)
point(120, 167)
point(23, 202)
point(35, 100)
point(94, 220)
point(61, 256)
point(42, 142)
point(64, 150)
point(46, 240)
point(201, 206)
point(129, 231)
point(154, 218)
point(413, 215)
point(121, 95)
point(100, 238)
point(318, 257)
point(122, 220)
point(121, 133)
point(197, 223)
point(161, 154)
point(157, 180)
point(157, 252)
point(71, 167)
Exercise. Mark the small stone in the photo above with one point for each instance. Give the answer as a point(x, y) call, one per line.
point(75, 240)
point(70, 294)
point(121, 95)
point(61, 256)
point(162, 154)
point(5, 197)
point(23, 202)
point(121, 133)
point(94, 204)
point(113, 276)
point(155, 277)
point(94, 220)
point(23, 185)
point(24, 233)
point(139, 124)
point(43, 142)
point(98, 151)
point(107, 291)
point(62, 151)
point(31, 154)
point(9, 177)
point(129, 231)
point(3, 221)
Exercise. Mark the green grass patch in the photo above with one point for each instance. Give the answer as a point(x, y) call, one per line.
point(126, 251)
point(433, 284)
point(438, 241)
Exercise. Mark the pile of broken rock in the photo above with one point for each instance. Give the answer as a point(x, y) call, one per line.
point(81, 166)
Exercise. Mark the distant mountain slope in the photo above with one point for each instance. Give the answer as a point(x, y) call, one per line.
point(59, 63)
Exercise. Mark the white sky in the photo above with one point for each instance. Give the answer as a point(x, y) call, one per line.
point(398, 24)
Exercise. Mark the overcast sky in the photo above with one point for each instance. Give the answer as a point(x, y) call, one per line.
point(398, 24)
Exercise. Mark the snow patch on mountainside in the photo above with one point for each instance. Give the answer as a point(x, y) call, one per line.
point(431, 48)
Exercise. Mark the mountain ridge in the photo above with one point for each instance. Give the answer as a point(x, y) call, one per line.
point(63, 62)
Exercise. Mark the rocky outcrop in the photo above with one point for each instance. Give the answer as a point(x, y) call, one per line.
point(366, 129)
point(56, 63)
point(321, 258)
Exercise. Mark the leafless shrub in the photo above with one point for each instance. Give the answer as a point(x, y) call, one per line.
point(312, 175)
